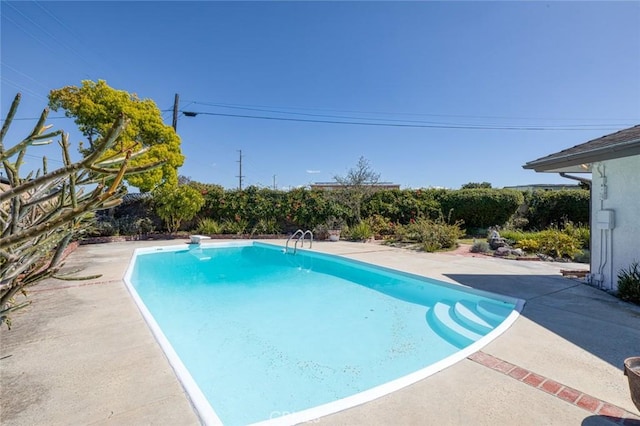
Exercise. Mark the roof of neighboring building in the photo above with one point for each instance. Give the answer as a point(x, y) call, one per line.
point(578, 159)
point(544, 186)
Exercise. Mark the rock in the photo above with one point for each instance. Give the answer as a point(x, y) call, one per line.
point(545, 258)
point(517, 252)
point(502, 252)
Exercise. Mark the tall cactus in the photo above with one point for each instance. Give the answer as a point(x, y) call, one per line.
point(43, 212)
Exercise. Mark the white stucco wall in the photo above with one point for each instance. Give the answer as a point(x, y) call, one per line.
point(622, 179)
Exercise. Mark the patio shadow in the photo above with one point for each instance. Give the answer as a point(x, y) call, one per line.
point(587, 317)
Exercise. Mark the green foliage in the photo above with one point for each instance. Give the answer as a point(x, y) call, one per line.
point(360, 231)
point(134, 216)
point(480, 247)
point(123, 225)
point(481, 207)
point(177, 204)
point(529, 245)
point(236, 226)
point(207, 226)
point(401, 206)
point(309, 208)
point(266, 227)
point(629, 283)
point(431, 234)
point(94, 105)
point(476, 185)
point(581, 233)
point(547, 208)
point(517, 222)
point(557, 244)
point(380, 226)
point(514, 236)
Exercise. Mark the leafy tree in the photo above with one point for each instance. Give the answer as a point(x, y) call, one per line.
point(358, 184)
point(93, 106)
point(476, 185)
point(175, 204)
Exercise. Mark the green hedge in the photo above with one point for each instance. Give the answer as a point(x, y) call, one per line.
point(547, 208)
point(481, 208)
point(400, 206)
point(304, 208)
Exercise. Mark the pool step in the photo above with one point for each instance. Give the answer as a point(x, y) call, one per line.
point(493, 312)
point(464, 322)
point(442, 320)
point(199, 254)
point(466, 314)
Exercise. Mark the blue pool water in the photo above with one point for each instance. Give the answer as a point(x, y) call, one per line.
point(263, 334)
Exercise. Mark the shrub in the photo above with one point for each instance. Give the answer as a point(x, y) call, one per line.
point(480, 247)
point(557, 244)
point(529, 245)
point(431, 234)
point(481, 207)
point(400, 206)
point(554, 207)
point(266, 226)
point(175, 204)
point(380, 226)
point(360, 231)
point(103, 228)
point(514, 236)
point(321, 231)
point(208, 226)
point(237, 226)
point(581, 233)
point(517, 223)
point(629, 283)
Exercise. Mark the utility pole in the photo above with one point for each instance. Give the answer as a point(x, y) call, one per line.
point(274, 183)
point(176, 100)
point(240, 176)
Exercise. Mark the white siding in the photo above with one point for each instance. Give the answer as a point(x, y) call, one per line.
point(622, 177)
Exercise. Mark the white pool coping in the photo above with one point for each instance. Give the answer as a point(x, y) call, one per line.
point(208, 415)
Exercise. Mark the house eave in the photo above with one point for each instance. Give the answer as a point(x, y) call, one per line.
point(575, 163)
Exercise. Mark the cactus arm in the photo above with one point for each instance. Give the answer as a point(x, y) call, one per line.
point(9, 120)
point(67, 170)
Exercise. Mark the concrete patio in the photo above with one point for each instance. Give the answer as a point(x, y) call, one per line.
point(82, 353)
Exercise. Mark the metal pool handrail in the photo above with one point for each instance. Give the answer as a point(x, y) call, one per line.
point(301, 235)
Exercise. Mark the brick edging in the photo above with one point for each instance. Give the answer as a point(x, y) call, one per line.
point(572, 396)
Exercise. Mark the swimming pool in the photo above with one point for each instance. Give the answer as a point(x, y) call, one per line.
point(256, 335)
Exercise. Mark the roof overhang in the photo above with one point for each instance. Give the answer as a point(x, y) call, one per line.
point(581, 162)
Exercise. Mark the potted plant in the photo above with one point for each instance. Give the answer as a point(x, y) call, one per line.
point(334, 226)
point(632, 371)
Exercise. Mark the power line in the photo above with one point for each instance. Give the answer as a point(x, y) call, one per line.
point(258, 107)
point(34, 118)
point(38, 118)
point(24, 75)
point(51, 36)
point(366, 118)
point(385, 124)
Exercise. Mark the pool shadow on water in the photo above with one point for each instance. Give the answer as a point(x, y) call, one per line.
point(587, 317)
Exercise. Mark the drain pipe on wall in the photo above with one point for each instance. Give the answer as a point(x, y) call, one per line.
point(605, 223)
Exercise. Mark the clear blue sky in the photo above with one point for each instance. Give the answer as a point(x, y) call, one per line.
point(542, 65)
